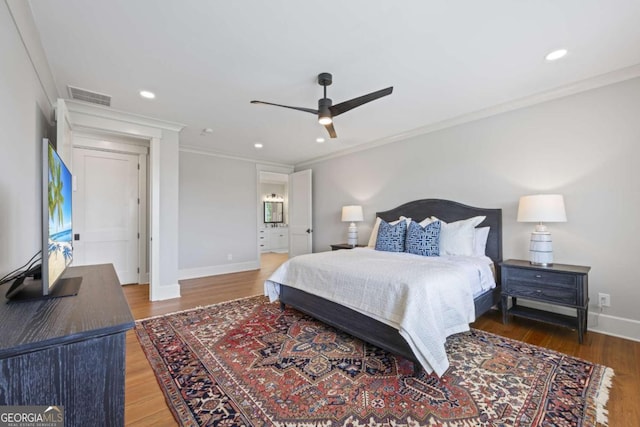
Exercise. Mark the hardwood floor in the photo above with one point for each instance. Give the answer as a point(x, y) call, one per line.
point(145, 404)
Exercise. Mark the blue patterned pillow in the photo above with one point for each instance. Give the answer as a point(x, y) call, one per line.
point(423, 240)
point(391, 237)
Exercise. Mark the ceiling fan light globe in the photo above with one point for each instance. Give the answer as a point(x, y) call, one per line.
point(325, 120)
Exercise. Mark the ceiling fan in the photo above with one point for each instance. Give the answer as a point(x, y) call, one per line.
point(326, 111)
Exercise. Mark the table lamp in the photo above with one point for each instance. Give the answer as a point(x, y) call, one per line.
point(352, 214)
point(541, 208)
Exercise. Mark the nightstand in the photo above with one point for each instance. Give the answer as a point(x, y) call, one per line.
point(557, 284)
point(344, 246)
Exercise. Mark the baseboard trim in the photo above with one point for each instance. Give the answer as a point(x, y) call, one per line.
point(615, 326)
point(598, 322)
point(215, 270)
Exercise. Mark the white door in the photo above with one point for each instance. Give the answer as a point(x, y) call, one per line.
point(300, 214)
point(105, 211)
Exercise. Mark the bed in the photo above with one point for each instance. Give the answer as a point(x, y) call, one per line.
point(375, 331)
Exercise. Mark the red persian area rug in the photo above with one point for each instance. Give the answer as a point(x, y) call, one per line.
point(246, 363)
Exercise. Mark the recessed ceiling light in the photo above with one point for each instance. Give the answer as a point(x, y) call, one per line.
point(258, 145)
point(556, 54)
point(319, 140)
point(147, 94)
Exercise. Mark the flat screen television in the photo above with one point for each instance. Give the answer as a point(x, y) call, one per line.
point(57, 234)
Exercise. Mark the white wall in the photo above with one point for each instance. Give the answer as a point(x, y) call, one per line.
point(217, 215)
point(24, 114)
point(585, 146)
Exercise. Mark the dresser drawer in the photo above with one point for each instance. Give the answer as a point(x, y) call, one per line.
point(542, 277)
point(544, 292)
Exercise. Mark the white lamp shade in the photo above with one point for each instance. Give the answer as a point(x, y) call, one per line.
point(542, 208)
point(352, 213)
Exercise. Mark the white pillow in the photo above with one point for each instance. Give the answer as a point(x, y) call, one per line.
point(428, 220)
point(480, 237)
point(457, 238)
point(374, 232)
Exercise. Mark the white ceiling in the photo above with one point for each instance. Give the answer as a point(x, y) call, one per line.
point(206, 60)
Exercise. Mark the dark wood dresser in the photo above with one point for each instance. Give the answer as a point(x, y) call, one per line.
point(69, 351)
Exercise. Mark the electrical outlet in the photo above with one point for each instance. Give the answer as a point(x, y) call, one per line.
point(229, 257)
point(604, 300)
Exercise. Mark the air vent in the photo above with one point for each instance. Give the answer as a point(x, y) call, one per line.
point(89, 96)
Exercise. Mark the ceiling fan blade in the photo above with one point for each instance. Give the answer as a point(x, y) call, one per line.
point(345, 106)
point(331, 130)
point(306, 110)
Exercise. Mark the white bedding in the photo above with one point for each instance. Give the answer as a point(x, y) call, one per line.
point(425, 298)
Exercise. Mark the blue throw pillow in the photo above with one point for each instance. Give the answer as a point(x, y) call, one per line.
point(391, 237)
point(423, 240)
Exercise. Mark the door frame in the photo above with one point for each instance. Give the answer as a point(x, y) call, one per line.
point(286, 170)
point(163, 138)
point(98, 141)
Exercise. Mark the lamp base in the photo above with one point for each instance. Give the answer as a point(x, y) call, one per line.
point(541, 249)
point(541, 264)
point(352, 234)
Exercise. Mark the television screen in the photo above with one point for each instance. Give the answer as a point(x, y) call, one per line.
point(59, 236)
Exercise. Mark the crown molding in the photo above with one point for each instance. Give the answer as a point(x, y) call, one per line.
point(102, 112)
point(613, 77)
point(197, 150)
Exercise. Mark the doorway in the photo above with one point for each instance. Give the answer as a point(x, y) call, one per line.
point(273, 217)
point(296, 227)
point(110, 207)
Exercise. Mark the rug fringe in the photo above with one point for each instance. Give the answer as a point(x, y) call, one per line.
point(198, 307)
point(602, 415)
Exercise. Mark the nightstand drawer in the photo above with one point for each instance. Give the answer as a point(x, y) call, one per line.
point(556, 294)
point(538, 276)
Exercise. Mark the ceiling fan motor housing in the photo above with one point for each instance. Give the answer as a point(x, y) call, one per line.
point(324, 114)
point(324, 104)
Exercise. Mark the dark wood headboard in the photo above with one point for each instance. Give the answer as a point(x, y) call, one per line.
point(453, 211)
